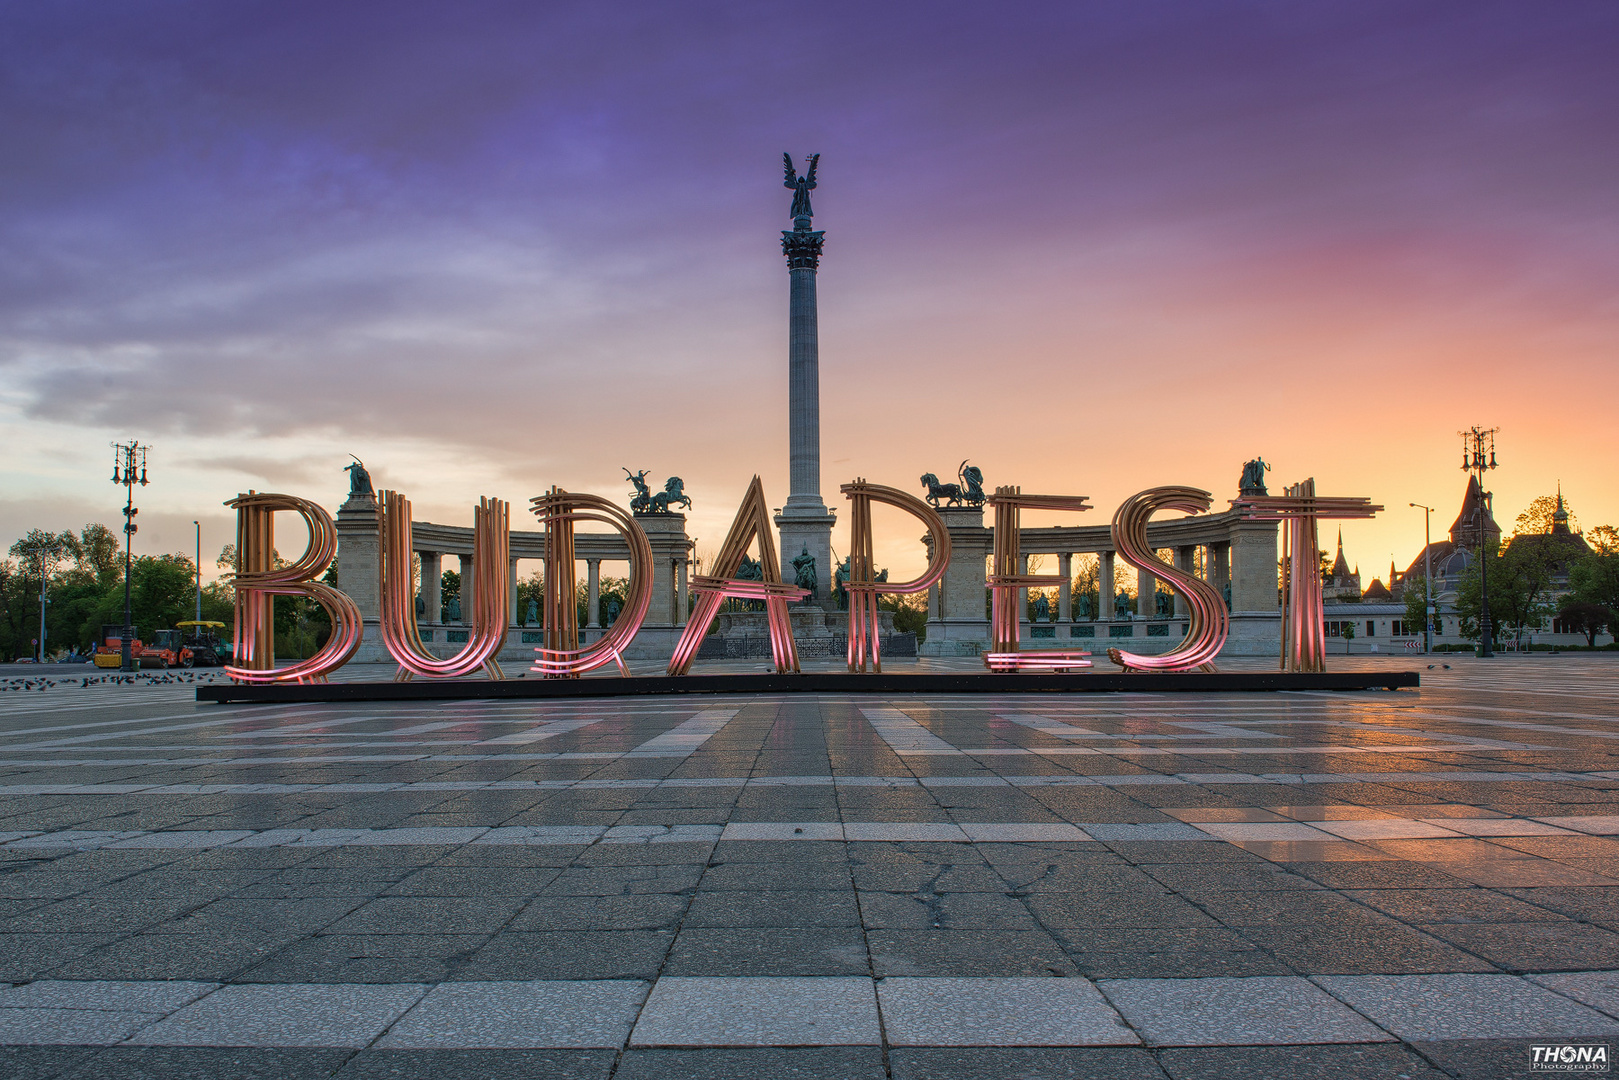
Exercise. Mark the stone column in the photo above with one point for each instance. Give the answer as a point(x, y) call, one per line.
point(1023, 598)
point(804, 522)
point(593, 584)
point(1146, 584)
point(359, 561)
point(958, 624)
point(511, 591)
point(1186, 562)
point(432, 586)
point(1104, 585)
point(466, 589)
point(682, 606)
point(1255, 607)
point(1219, 565)
point(1065, 591)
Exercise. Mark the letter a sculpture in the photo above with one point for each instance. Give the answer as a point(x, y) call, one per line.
point(752, 522)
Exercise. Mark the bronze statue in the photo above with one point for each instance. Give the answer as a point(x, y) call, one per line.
point(1253, 477)
point(972, 484)
point(1085, 605)
point(532, 617)
point(1163, 603)
point(674, 491)
point(359, 479)
point(750, 569)
point(839, 576)
point(1042, 608)
point(1121, 605)
point(951, 493)
point(642, 499)
point(802, 186)
point(804, 567)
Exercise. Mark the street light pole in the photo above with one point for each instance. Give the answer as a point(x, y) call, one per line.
point(1427, 579)
point(44, 574)
point(128, 469)
point(198, 630)
point(1478, 457)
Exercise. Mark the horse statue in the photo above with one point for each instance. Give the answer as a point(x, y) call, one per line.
point(751, 569)
point(674, 492)
point(641, 501)
point(936, 491)
point(972, 484)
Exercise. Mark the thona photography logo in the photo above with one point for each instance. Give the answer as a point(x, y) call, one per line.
point(1569, 1057)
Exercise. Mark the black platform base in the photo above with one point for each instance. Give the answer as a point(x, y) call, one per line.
point(818, 683)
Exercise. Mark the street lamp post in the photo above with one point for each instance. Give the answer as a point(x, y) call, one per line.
point(1427, 578)
point(128, 469)
point(199, 575)
point(44, 577)
point(1478, 457)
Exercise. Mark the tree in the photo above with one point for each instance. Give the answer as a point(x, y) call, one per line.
point(1348, 635)
point(1520, 582)
point(1416, 601)
point(1537, 519)
point(1587, 619)
point(1594, 578)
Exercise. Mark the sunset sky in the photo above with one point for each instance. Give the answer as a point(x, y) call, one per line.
point(1093, 247)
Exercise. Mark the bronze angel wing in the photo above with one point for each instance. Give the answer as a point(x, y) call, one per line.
point(792, 173)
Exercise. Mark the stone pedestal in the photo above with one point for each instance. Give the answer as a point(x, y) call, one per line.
point(359, 555)
point(808, 528)
point(960, 626)
point(654, 644)
point(1256, 617)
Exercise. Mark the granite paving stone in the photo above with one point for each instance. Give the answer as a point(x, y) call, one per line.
point(285, 1015)
point(759, 1011)
point(555, 1014)
point(998, 1012)
point(1438, 1007)
point(1274, 1010)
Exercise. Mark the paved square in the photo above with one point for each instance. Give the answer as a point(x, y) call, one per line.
point(1156, 885)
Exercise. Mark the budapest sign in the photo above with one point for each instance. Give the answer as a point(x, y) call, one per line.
point(258, 581)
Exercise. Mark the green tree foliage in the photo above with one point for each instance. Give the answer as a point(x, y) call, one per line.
point(1416, 602)
point(1587, 619)
point(1594, 578)
point(1537, 518)
point(1520, 590)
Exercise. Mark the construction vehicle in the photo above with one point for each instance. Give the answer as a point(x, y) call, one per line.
point(202, 638)
point(167, 650)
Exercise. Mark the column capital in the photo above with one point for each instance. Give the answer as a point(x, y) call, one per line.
point(802, 248)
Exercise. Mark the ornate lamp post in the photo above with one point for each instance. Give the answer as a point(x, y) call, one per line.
point(128, 469)
point(1427, 580)
point(198, 525)
point(1478, 457)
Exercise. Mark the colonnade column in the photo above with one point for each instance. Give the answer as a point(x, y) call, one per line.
point(1146, 603)
point(593, 586)
point(466, 589)
point(681, 603)
point(1186, 563)
point(432, 586)
point(1023, 594)
point(1104, 585)
point(511, 591)
point(1065, 591)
